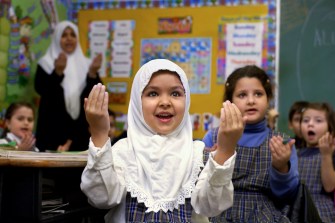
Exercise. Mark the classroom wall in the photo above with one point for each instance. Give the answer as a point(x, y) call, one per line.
point(36, 18)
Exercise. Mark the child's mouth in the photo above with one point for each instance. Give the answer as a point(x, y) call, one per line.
point(311, 133)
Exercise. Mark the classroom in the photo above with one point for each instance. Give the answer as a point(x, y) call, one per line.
point(293, 41)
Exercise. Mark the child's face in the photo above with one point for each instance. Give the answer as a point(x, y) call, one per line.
point(250, 97)
point(163, 103)
point(68, 41)
point(22, 122)
point(313, 126)
point(111, 132)
point(294, 125)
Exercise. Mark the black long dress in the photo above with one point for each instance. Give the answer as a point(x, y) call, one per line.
point(54, 125)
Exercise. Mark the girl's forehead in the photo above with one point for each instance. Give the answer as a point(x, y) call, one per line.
point(249, 83)
point(23, 110)
point(314, 112)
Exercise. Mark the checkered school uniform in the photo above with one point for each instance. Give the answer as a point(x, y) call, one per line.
point(136, 211)
point(309, 163)
point(252, 193)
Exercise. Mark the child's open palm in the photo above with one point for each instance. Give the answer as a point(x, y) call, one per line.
point(96, 111)
point(280, 153)
point(230, 129)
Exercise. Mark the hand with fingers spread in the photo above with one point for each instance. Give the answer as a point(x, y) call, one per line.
point(27, 142)
point(281, 153)
point(96, 111)
point(230, 130)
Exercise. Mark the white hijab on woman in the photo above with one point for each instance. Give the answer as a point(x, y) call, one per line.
point(76, 68)
point(160, 170)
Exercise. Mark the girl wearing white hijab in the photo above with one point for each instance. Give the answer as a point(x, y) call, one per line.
point(63, 79)
point(153, 175)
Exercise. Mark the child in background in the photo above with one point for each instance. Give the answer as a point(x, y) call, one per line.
point(19, 122)
point(153, 174)
point(266, 168)
point(294, 118)
point(112, 128)
point(112, 121)
point(316, 159)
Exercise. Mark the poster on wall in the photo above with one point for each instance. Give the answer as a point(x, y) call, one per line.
point(114, 41)
point(122, 48)
point(242, 41)
point(117, 92)
point(193, 55)
point(98, 43)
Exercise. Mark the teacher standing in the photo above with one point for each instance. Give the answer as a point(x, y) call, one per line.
point(64, 77)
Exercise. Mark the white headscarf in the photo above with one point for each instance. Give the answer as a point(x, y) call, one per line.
point(160, 170)
point(76, 68)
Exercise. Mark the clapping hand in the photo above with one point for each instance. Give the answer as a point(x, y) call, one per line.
point(27, 142)
point(60, 64)
point(95, 66)
point(327, 144)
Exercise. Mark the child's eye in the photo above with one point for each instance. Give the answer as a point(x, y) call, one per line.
point(30, 120)
point(258, 94)
point(242, 95)
point(176, 94)
point(305, 120)
point(319, 120)
point(152, 94)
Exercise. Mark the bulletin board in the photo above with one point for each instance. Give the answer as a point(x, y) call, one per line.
point(205, 22)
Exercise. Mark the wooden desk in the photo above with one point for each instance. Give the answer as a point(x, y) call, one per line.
point(22, 188)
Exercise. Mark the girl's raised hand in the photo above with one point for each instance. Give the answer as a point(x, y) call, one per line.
point(281, 153)
point(230, 130)
point(327, 144)
point(96, 111)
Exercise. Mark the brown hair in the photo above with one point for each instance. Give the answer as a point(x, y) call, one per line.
point(250, 71)
point(296, 108)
